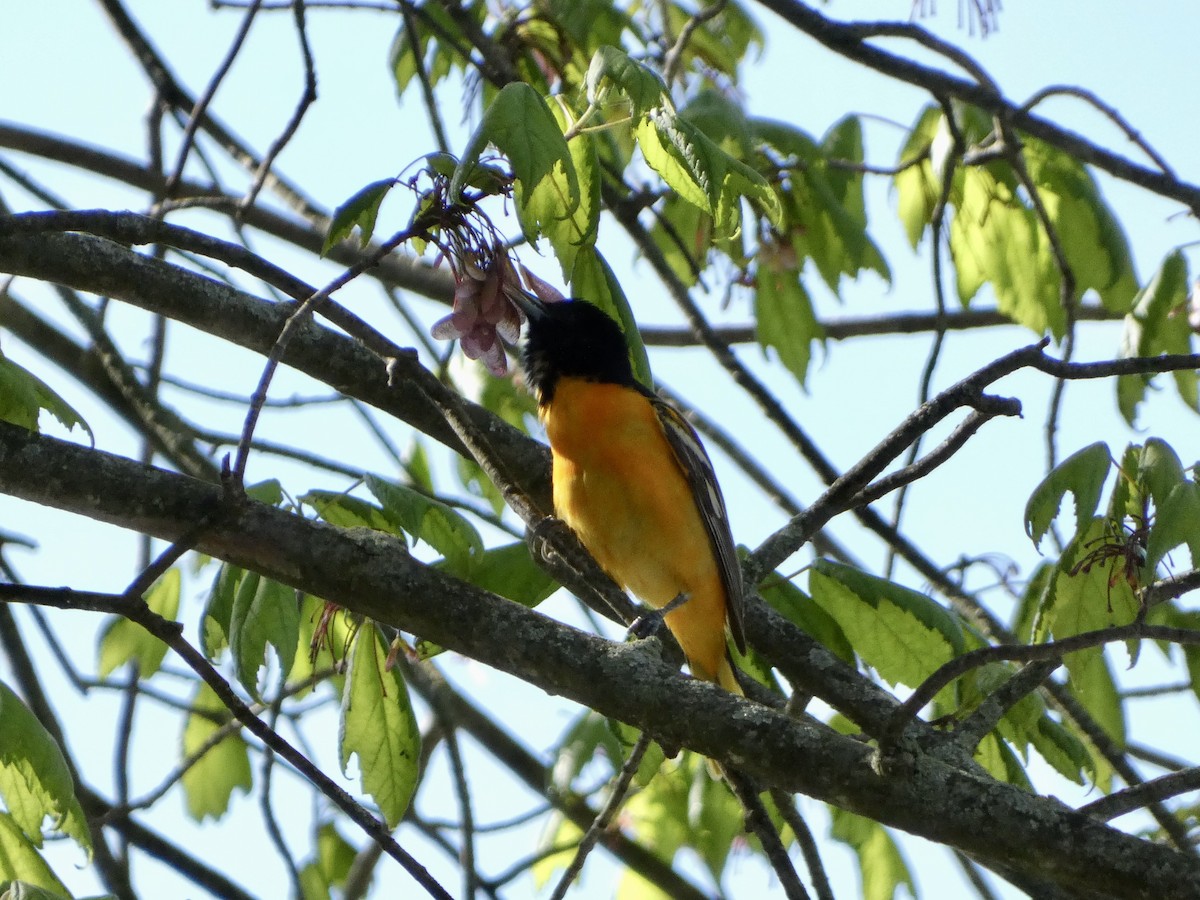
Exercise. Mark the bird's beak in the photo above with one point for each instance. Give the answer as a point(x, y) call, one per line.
point(532, 305)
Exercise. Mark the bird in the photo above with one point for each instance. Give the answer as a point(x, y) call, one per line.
point(631, 478)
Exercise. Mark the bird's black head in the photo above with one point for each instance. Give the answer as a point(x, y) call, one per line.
point(575, 339)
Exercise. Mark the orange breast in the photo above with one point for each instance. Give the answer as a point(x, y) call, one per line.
point(617, 484)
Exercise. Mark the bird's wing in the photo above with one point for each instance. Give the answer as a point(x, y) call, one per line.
point(698, 470)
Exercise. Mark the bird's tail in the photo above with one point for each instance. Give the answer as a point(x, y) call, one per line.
point(727, 678)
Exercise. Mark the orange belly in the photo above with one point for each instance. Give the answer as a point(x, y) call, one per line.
point(618, 485)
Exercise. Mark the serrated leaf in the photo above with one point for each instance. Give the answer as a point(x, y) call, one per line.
point(995, 239)
point(35, 781)
point(917, 185)
point(1174, 525)
point(882, 867)
point(1065, 753)
point(1082, 475)
point(360, 211)
point(335, 855)
point(1091, 237)
point(799, 609)
point(23, 396)
point(431, 521)
point(521, 126)
point(125, 641)
point(1089, 600)
point(379, 727)
point(20, 860)
point(999, 759)
point(344, 511)
point(209, 783)
point(590, 23)
point(721, 43)
point(903, 635)
point(635, 82)
point(269, 492)
point(264, 613)
point(510, 571)
point(701, 172)
point(1155, 326)
point(784, 319)
point(684, 234)
point(214, 623)
point(666, 148)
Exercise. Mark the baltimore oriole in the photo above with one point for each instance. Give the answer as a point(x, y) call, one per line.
point(633, 481)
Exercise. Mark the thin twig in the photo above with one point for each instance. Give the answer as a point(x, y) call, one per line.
point(1134, 798)
point(1051, 651)
point(760, 824)
point(200, 107)
point(619, 791)
point(805, 841)
point(307, 97)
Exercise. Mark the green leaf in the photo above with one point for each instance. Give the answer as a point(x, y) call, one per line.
point(1175, 525)
point(611, 68)
point(593, 279)
point(210, 782)
point(995, 239)
point(590, 23)
point(881, 865)
point(1095, 597)
point(334, 857)
point(1059, 746)
point(124, 641)
point(20, 861)
point(684, 807)
point(560, 832)
point(784, 318)
point(589, 737)
point(269, 492)
point(723, 120)
point(379, 727)
point(23, 890)
point(23, 396)
point(721, 43)
point(264, 612)
point(665, 145)
point(431, 521)
point(214, 623)
point(579, 233)
point(1154, 327)
point(701, 172)
point(340, 509)
point(917, 185)
point(359, 211)
point(1082, 475)
point(436, 30)
point(683, 233)
point(799, 609)
point(903, 635)
point(35, 781)
point(1096, 248)
point(510, 571)
point(996, 758)
point(521, 126)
